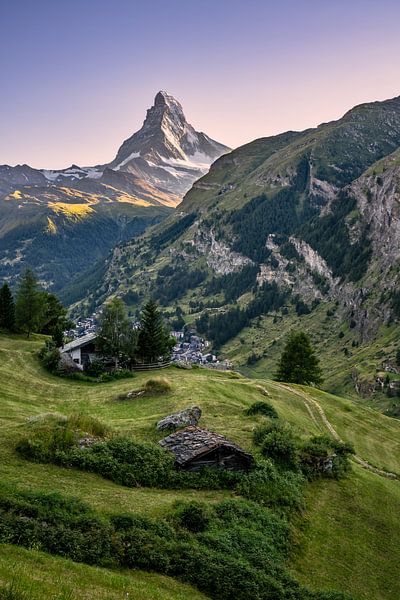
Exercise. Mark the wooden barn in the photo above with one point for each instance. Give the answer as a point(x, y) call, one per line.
point(195, 448)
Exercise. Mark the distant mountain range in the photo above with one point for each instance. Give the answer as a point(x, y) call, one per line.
point(61, 222)
point(298, 230)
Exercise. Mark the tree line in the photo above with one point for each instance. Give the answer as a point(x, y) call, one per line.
point(32, 310)
point(117, 338)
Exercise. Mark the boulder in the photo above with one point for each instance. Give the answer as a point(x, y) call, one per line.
point(183, 418)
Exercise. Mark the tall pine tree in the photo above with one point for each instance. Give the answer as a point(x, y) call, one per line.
point(154, 340)
point(29, 305)
point(7, 308)
point(298, 363)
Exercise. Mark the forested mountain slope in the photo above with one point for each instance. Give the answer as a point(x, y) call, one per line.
point(303, 223)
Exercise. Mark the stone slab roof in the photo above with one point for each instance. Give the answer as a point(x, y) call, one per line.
point(193, 442)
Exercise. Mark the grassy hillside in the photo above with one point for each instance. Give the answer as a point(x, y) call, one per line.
point(348, 539)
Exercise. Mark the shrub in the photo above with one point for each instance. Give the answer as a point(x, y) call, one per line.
point(194, 517)
point(95, 368)
point(270, 487)
point(323, 457)
point(277, 441)
point(157, 386)
point(262, 408)
point(239, 552)
point(49, 356)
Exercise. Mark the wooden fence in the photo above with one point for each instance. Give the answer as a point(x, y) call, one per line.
point(152, 366)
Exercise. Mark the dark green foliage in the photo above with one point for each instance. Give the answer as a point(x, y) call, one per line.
point(29, 307)
point(233, 549)
point(330, 237)
point(263, 215)
point(7, 308)
point(50, 356)
point(171, 233)
point(398, 356)
point(395, 303)
point(234, 284)
point(301, 307)
point(193, 516)
point(322, 456)
point(262, 408)
point(173, 282)
point(299, 363)
point(222, 326)
point(53, 318)
point(116, 338)
point(279, 443)
point(269, 486)
point(154, 341)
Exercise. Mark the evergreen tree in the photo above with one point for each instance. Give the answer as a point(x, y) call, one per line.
point(116, 337)
point(54, 315)
point(58, 336)
point(298, 363)
point(29, 305)
point(7, 308)
point(154, 340)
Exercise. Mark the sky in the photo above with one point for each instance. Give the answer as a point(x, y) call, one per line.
point(76, 77)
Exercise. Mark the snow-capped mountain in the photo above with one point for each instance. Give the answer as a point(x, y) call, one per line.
point(167, 151)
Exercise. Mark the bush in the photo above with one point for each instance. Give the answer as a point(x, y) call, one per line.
point(95, 368)
point(262, 408)
point(323, 457)
point(50, 357)
point(194, 517)
point(157, 386)
point(278, 442)
point(270, 487)
point(233, 549)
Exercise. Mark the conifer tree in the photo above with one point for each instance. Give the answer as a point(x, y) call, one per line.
point(298, 363)
point(7, 308)
point(154, 340)
point(29, 305)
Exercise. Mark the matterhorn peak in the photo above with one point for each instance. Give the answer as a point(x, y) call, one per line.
point(167, 151)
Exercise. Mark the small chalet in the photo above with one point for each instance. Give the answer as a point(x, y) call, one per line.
point(82, 350)
point(195, 448)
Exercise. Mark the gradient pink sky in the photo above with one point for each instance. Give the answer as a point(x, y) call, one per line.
point(77, 77)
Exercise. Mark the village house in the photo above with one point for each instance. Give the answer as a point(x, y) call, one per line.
point(195, 448)
point(82, 350)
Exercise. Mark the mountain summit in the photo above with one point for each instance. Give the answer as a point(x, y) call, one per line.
point(167, 151)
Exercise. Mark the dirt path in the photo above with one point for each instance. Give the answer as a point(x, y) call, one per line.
point(311, 404)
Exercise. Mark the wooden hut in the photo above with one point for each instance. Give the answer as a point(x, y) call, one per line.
point(195, 448)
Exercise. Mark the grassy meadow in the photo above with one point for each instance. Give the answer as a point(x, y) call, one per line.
point(347, 539)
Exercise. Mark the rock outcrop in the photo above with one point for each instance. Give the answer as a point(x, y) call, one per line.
point(183, 418)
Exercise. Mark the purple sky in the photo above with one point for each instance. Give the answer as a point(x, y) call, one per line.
point(77, 76)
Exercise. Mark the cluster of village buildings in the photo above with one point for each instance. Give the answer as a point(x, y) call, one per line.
point(190, 349)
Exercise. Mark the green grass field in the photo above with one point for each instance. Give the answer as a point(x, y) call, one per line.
point(347, 540)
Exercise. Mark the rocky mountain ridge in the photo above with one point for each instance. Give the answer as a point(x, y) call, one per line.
point(80, 213)
point(309, 218)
